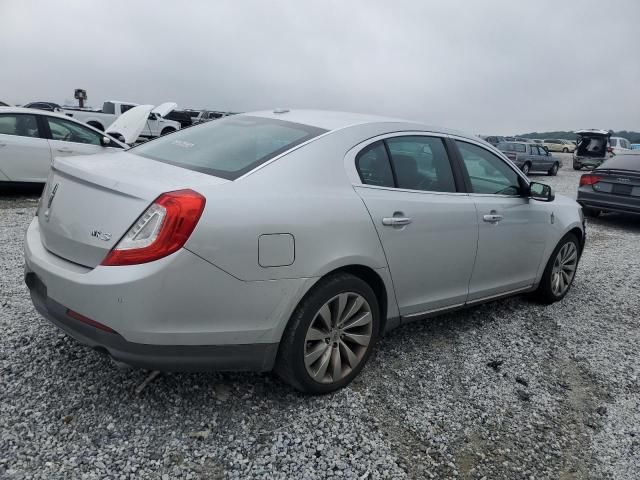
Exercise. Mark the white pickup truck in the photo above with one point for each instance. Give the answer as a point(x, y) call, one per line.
point(155, 126)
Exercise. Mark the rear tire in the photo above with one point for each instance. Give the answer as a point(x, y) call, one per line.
point(565, 150)
point(526, 168)
point(560, 271)
point(554, 170)
point(591, 212)
point(313, 346)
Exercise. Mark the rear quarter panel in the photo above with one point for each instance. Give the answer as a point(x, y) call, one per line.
point(306, 194)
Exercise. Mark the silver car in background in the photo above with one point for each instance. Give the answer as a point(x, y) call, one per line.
point(289, 241)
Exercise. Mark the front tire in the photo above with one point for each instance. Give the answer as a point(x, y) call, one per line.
point(560, 271)
point(526, 168)
point(554, 170)
point(166, 131)
point(330, 335)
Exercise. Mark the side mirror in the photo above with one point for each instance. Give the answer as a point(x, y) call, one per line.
point(106, 141)
point(541, 192)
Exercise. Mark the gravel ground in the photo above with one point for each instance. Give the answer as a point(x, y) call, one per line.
point(505, 390)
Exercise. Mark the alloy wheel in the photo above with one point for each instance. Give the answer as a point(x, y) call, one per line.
point(525, 169)
point(338, 337)
point(564, 268)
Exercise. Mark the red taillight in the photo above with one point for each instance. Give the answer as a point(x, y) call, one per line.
point(589, 179)
point(88, 321)
point(160, 231)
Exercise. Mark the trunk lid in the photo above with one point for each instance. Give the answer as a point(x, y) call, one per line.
point(90, 202)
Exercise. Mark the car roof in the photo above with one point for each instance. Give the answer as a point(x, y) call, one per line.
point(33, 111)
point(335, 120)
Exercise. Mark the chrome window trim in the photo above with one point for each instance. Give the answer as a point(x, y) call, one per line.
point(352, 171)
point(407, 190)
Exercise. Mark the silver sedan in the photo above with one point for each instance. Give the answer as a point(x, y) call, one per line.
point(289, 240)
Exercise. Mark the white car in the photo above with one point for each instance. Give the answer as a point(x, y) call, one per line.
point(155, 126)
point(30, 139)
point(619, 145)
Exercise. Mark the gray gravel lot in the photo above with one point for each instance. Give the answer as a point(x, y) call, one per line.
point(505, 390)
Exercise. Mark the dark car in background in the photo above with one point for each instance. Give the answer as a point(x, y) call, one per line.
point(181, 116)
point(614, 186)
point(530, 157)
point(48, 106)
point(494, 140)
point(592, 148)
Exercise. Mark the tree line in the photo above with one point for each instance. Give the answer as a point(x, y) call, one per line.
point(633, 137)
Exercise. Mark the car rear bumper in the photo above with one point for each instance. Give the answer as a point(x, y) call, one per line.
point(607, 201)
point(251, 357)
point(592, 162)
point(180, 306)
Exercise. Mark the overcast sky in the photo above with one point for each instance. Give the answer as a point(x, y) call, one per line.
point(485, 67)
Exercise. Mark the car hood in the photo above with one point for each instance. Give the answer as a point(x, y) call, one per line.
point(130, 124)
point(164, 108)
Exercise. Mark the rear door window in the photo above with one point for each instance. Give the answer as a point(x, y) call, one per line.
point(230, 147)
point(19, 124)
point(421, 163)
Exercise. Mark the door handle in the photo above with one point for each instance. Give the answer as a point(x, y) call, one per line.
point(396, 221)
point(492, 218)
point(65, 150)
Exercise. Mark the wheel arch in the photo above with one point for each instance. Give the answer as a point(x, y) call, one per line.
point(380, 282)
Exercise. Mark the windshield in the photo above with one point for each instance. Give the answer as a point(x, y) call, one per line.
point(512, 147)
point(228, 148)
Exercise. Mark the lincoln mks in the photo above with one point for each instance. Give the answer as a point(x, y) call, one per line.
point(288, 241)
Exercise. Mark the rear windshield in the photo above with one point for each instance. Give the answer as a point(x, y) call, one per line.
point(230, 147)
point(512, 147)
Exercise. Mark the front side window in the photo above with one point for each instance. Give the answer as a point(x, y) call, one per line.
point(614, 142)
point(19, 124)
point(421, 163)
point(124, 108)
point(488, 173)
point(374, 167)
point(67, 131)
point(230, 147)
